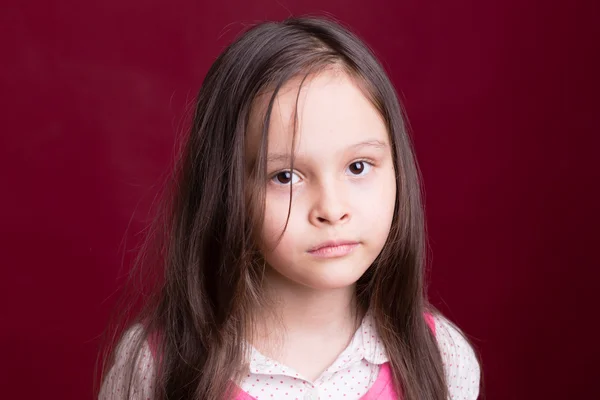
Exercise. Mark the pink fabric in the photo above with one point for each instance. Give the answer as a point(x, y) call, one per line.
point(382, 389)
point(430, 322)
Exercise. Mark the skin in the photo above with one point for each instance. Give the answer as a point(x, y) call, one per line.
point(343, 189)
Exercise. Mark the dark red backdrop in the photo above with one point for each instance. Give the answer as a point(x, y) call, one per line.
point(501, 96)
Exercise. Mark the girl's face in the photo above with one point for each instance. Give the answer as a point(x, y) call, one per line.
point(343, 183)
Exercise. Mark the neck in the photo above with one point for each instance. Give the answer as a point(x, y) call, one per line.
point(301, 310)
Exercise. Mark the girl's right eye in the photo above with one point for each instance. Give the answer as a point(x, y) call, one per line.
point(285, 178)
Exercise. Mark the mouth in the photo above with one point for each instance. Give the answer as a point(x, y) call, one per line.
point(332, 249)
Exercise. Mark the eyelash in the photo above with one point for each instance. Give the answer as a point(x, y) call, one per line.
point(367, 161)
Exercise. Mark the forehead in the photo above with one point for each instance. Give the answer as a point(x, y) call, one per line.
point(331, 112)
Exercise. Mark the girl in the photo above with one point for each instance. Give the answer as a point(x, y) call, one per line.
point(294, 244)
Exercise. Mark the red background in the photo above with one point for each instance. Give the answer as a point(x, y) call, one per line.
point(501, 96)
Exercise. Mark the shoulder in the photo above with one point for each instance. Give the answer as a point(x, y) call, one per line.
point(132, 371)
point(460, 362)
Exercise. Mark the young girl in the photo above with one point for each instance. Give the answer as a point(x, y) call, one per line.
point(294, 245)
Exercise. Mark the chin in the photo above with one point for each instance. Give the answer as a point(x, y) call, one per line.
point(329, 274)
point(328, 280)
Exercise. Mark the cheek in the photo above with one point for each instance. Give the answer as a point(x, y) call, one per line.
point(281, 243)
point(276, 216)
point(376, 198)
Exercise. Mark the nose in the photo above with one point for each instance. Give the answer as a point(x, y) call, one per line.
point(329, 208)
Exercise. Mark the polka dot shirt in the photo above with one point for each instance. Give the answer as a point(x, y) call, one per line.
point(349, 377)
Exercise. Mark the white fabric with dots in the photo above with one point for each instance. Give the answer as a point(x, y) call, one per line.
point(348, 378)
point(115, 383)
point(460, 363)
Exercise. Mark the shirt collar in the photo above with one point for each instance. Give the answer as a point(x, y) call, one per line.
point(368, 343)
point(261, 364)
point(365, 345)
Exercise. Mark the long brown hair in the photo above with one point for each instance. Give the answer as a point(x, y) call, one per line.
point(201, 311)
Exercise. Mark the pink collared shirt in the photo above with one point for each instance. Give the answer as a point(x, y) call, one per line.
point(361, 371)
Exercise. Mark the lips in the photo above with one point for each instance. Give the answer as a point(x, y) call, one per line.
point(332, 243)
point(334, 248)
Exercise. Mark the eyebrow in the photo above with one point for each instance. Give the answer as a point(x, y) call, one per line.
point(377, 144)
point(374, 143)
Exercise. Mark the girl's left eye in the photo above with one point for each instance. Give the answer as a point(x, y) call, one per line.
point(358, 168)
